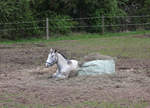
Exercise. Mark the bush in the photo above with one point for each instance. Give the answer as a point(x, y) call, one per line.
point(61, 24)
point(18, 11)
point(110, 9)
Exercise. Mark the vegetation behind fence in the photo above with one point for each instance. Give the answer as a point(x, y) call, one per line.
point(63, 25)
point(27, 18)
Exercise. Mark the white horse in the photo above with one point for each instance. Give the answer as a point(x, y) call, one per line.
point(64, 66)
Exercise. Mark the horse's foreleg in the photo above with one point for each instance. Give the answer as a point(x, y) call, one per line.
point(55, 74)
point(66, 74)
point(60, 76)
point(63, 75)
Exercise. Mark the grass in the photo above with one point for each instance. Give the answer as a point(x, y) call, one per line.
point(74, 36)
point(81, 105)
point(128, 46)
point(8, 100)
point(112, 44)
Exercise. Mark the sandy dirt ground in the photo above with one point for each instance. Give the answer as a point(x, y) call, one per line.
point(24, 79)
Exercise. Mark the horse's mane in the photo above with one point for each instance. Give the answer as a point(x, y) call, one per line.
point(63, 55)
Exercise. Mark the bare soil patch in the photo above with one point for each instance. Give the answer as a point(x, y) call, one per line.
point(25, 80)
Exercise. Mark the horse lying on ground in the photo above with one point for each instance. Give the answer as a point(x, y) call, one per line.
point(64, 66)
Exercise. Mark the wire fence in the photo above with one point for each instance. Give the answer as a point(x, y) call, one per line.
point(100, 24)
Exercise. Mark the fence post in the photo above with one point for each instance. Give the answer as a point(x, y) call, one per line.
point(47, 29)
point(126, 23)
point(103, 23)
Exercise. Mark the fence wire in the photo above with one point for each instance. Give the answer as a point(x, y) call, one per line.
point(23, 22)
point(92, 24)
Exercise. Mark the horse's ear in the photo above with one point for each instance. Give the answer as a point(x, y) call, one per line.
point(55, 50)
point(51, 50)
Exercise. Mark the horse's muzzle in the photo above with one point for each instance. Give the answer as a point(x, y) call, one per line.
point(48, 64)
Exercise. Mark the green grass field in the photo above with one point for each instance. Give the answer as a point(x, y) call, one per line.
point(130, 44)
point(9, 102)
point(81, 105)
point(75, 36)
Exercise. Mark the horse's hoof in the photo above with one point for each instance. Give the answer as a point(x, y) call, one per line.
point(58, 79)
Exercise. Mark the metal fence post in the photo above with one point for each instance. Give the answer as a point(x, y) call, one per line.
point(47, 29)
point(103, 23)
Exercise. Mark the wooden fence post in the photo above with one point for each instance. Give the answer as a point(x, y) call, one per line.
point(47, 29)
point(103, 23)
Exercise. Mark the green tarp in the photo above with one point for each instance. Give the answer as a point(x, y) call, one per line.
point(97, 67)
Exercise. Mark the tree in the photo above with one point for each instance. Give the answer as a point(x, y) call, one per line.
point(6, 10)
point(16, 11)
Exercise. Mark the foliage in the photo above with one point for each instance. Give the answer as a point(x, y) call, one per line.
point(6, 10)
point(61, 24)
point(110, 9)
point(16, 11)
point(12, 11)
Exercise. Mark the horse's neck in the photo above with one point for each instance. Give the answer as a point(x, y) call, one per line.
point(61, 61)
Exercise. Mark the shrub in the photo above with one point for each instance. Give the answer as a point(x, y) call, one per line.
point(110, 9)
point(61, 24)
point(16, 11)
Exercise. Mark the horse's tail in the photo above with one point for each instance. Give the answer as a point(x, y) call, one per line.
point(80, 63)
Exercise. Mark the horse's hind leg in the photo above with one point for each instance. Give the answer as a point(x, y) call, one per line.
point(73, 73)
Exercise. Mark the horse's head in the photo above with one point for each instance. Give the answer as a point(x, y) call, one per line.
point(52, 58)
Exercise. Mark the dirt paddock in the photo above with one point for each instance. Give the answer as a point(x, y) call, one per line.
point(25, 80)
